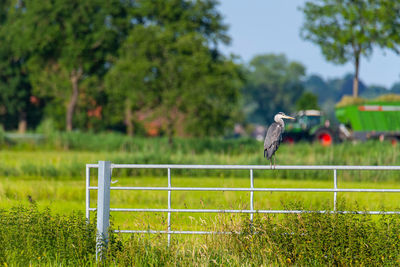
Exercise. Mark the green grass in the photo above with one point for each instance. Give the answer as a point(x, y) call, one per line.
point(32, 237)
point(52, 175)
point(40, 238)
point(68, 196)
point(60, 164)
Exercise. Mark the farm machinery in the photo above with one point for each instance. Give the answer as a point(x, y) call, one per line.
point(358, 120)
point(310, 125)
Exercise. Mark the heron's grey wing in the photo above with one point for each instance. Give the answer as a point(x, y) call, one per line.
point(273, 136)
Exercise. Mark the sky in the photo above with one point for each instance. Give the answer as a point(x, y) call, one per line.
point(273, 26)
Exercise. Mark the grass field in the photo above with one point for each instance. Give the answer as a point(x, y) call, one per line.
point(68, 196)
point(37, 179)
point(70, 164)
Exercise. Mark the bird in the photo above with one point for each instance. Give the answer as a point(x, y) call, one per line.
point(274, 136)
point(31, 200)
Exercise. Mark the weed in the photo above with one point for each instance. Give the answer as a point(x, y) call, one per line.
point(32, 237)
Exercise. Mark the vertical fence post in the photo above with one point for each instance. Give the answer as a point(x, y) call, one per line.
point(103, 208)
point(169, 207)
point(87, 194)
point(335, 187)
point(251, 195)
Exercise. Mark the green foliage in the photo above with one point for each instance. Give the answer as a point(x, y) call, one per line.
point(330, 91)
point(31, 237)
point(307, 101)
point(74, 54)
point(335, 88)
point(79, 37)
point(321, 239)
point(63, 155)
point(341, 28)
point(47, 127)
point(273, 85)
point(185, 17)
point(176, 63)
point(388, 24)
point(176, 81)
point(153, 66)
point(2, 135)
point(347, 30)
point(16, 103)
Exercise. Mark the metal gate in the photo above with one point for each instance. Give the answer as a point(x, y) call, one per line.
point(104, 187)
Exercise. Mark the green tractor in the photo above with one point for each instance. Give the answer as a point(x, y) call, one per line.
point(359, 119)
point(310, 125)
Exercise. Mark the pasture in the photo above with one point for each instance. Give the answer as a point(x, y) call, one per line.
point(68, 196)
point(51, 183)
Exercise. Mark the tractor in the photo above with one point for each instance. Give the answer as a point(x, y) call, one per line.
point(310, 125)
point(359, 119)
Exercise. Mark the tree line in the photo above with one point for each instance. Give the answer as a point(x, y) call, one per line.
point(149, 67)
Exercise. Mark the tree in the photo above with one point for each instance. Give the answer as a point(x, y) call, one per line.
point(170, 66)
point(15, 91)
point(307, 101)
point(71, 40)
point(185, 16)
point(388, 24)
point(330, 91)
point(130, 82)
point(175, 80)
point(395, 89)
point(16, 96)
point(374, 91)
point(273, 85)
point(317, 86)
point(344, 86)
point(345, 30)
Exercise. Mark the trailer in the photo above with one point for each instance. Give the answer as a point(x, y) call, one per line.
point(371, 120)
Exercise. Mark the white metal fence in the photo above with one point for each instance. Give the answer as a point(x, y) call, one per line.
point(104, 187)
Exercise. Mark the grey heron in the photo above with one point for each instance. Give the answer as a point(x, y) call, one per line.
point(274, 136)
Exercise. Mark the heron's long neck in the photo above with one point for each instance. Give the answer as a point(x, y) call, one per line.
point(281, 123)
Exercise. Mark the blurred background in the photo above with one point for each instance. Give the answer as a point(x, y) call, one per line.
point(189, 68)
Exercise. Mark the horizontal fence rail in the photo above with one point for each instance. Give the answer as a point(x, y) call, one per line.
point(250, 189)
point(104, 187)
point(249, 211)
point(247, 167)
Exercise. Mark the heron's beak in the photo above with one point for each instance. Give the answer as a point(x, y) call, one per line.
point(288, 117)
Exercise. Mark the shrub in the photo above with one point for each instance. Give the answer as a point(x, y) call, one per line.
point(29, 236)
point(32, 237)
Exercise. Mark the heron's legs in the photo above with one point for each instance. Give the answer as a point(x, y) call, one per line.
point(274, 163)
point(270, 162)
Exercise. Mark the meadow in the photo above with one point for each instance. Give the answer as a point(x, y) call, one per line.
point(47, 180)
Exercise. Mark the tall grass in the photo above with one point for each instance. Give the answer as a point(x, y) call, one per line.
point(321, 239)
point(159, 149)
point(118, 142)
point(68, 159)
point(31, 237)
point(68, 196)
